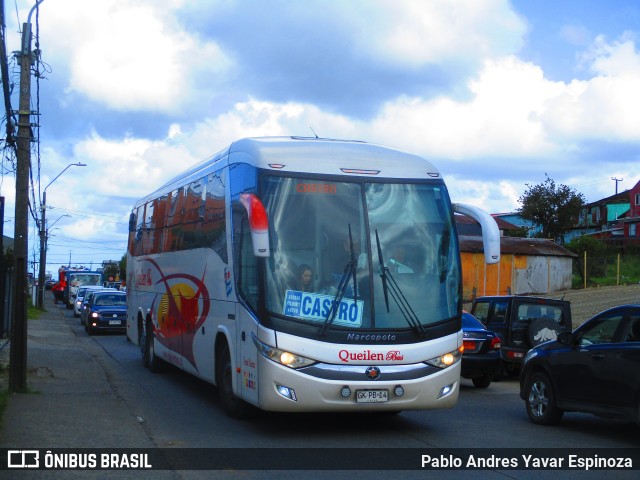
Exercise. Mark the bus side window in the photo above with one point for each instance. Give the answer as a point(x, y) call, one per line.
point(215, 215)
point(149, 228)
point(137, 246)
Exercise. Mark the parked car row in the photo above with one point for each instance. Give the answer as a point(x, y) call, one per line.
point(101, 309)
point(593, 369)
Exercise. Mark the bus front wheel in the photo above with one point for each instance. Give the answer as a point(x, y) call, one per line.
point(233, 406)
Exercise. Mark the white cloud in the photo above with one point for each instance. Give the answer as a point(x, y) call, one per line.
point(259, 118)
point(499, 119)
point(416, 32)
point(500, 197)
point(131, 166)
point(605, 107)
point(619, 58)
point(129, 55)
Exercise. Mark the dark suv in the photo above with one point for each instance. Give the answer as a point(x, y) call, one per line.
point(522, 322)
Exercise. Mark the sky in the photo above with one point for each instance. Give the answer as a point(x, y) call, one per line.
point(497, 94)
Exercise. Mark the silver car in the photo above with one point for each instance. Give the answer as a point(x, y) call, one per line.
point(87, 297)
point(81, 292)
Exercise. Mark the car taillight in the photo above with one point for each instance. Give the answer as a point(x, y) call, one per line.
point(469, 345)
point(495, 343)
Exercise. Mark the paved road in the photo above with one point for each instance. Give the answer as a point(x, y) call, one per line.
point(94, 392)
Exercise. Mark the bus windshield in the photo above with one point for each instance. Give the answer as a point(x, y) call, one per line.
point(361, 255)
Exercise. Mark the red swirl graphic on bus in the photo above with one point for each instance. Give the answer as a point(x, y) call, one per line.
point(180, 311)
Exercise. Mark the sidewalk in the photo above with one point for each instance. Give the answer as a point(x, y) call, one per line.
point(71, 403)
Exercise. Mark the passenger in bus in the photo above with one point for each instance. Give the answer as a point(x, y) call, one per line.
point(341, 263)
point(304, 278)
point(361, 258)
point(398, 262)
point(342, 257)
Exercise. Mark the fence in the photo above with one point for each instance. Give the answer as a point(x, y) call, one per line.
point(606, 269)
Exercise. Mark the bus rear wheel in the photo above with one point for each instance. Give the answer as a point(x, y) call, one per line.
point(233, 406)
point(149, 358)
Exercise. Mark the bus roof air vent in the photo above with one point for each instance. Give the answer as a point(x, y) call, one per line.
point(360, 171)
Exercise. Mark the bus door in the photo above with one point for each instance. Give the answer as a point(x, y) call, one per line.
point(247, 284)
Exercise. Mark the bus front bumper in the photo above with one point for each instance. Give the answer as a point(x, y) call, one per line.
point(397, 388)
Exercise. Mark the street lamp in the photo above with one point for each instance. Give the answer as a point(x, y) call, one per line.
point(43, 236)
point(61, 217)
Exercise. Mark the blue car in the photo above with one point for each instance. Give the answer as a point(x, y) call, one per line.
point(594, 369)
point(106, 311)
point(481, 355)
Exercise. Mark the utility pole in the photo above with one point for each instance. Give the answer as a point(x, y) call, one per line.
point(617, 180)
point(3, 273)
point(43, 251)
point(18, 354)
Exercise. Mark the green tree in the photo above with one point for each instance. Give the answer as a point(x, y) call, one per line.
point(554, 208)
point(111, 270)
point(123, 267)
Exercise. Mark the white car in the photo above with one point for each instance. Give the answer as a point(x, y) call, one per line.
point(77, 301)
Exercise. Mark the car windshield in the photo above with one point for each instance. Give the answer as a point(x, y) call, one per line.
point(385, 255)
point(103, 300)
point(87, 297)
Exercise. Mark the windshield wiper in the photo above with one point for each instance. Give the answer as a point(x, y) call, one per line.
point(349, 271)
point(389, 285)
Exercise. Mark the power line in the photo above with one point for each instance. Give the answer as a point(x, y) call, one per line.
point(118, 220)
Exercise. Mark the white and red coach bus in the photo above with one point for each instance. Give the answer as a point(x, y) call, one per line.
point(216, 258)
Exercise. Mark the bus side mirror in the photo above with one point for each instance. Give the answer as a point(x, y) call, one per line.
point(490, 230)
point(258, 222)
point(132, 222)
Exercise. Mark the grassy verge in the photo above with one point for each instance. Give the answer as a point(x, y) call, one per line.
point(33, 313)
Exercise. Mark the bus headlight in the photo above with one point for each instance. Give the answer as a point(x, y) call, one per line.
point(446, 360)
point(282, 357)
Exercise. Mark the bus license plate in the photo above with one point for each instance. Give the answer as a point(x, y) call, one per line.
point(372, 396)
point(115, 322)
